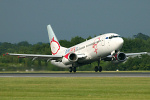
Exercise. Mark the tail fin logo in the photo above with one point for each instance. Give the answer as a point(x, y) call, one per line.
point(55, 47)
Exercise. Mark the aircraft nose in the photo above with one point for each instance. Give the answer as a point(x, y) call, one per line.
point(120, 42)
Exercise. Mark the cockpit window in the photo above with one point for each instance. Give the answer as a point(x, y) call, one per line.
point(113, 36)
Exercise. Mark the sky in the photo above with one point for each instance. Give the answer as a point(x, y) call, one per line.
point(26, 20)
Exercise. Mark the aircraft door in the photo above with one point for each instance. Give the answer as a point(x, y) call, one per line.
point(103, 40)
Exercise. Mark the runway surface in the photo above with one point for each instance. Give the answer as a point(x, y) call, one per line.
point(88, 74)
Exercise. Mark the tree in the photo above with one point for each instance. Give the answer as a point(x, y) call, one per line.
point(76, 40)
point(23, 43)
point(65, 43)
point(141, 36)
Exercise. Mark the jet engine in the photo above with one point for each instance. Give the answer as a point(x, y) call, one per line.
point(119, 57)
point(116, 58)
point(69, 58)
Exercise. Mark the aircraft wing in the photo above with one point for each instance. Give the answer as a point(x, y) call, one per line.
point(36, 56)
point(131, 54)
point(126, 55)
point(135, 54)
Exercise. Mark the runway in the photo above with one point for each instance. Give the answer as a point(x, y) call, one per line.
point(80, 74)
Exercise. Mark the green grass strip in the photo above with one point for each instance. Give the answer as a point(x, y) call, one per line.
point(74, 88)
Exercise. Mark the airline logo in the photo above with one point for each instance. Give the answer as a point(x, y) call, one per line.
point(55, 47)
point(73, 49)
point(96, 41)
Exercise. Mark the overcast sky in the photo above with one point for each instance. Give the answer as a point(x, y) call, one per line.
point(26, 20)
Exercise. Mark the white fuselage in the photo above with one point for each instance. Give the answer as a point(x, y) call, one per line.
point(94, 49)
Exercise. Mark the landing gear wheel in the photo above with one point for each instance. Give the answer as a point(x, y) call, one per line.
point(96, 68)
point(74, 69)
point(99, 68)
point(70, 69)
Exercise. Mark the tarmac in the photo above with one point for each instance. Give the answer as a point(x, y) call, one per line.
point(78, 74)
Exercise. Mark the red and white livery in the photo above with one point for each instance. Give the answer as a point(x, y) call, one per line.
point(103, 47)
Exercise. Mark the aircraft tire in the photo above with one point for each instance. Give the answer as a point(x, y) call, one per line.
point(100, 68)
point(70, 69)
point(96, 68)
point(74, 69)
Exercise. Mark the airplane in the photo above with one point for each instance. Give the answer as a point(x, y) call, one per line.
point(103, 47)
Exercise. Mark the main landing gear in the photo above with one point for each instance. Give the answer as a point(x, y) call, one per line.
point(98, 68)
point(72, 69)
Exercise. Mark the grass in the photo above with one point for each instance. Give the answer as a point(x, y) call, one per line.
point(74, 88)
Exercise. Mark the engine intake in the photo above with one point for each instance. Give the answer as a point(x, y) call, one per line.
point(69, 58)
point(121, 57)
point(73, 57)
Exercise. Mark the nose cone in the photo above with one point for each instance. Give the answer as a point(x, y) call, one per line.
point(119, 43)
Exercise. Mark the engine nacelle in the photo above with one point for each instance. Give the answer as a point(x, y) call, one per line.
point(69, 58)
point(119, 57)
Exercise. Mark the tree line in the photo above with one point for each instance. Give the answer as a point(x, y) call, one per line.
point(139, 43)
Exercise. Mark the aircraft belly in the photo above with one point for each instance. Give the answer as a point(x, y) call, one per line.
point(60, 64)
